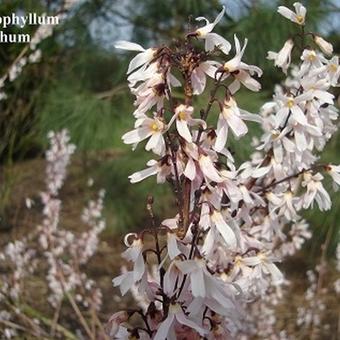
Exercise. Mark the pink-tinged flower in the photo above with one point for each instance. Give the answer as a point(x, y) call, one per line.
point(140, 59)
point(298, 16)
point(191, 169)
point(173, 275)
point(202, 283)
point(223, 228)
point(183, 116)
point(198, 75)
point(240, 272)
point(148, 94)
point(324, 45)
point(166, 329)
point(288, 206)
point(230, 188)
point(250, 198)
point(212, 40)
point(283, 57)
point(161, 168)
point(172, 245)
point(229, 118)
point(148, 127)
point(115, 321)
point(264, 265)
point(315, 192)
point(208, 169)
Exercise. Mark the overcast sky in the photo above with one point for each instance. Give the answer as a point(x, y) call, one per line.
point(106, 32)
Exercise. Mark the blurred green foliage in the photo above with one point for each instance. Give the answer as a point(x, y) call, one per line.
point(80, 84)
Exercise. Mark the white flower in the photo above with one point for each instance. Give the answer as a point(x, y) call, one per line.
point(318, 89)
point(315, 192)
point(183, 115)
point(311, 61)
point(279, 141)
point(229, 118)
point(134, 254)
point(291, 108)
point(264, 265)
point(140, 59)
point(172, 245)
point(150, 93)
point(324, 45)
point(208, 169)
point(198, 75)
point(223, 228)
point(333, 70)
point(161, 168)
point(148, 127)
point(288, 206)
point(212, 39)
point(297, 17)
point(166, 329)
point(173, 275)
point(203, 284)
point(283, 57)
point(241, 71)
point(114, 322)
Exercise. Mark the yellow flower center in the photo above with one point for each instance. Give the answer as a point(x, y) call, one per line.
point(224, 276)
point(332, 68)
point(288, 194)
point(182, 115)
point(238, 261)
point(262, 257)
point(300, 19)
point(275, 134)
point(311, 57)
point(154, 127)
point(175, 308)
point(290, 103)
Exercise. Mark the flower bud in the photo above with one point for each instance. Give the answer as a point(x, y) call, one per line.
point(324, 45)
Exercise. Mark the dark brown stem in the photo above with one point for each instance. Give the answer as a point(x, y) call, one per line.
point(312, 168)
point(178, 186)
point(205, 113)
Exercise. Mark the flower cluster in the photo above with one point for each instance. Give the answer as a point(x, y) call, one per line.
point(61, 253)
point(64, 274)
point(234, 221)
point(312, 315)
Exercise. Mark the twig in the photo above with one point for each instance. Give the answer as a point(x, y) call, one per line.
point(55, 319)
point(314, 167)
